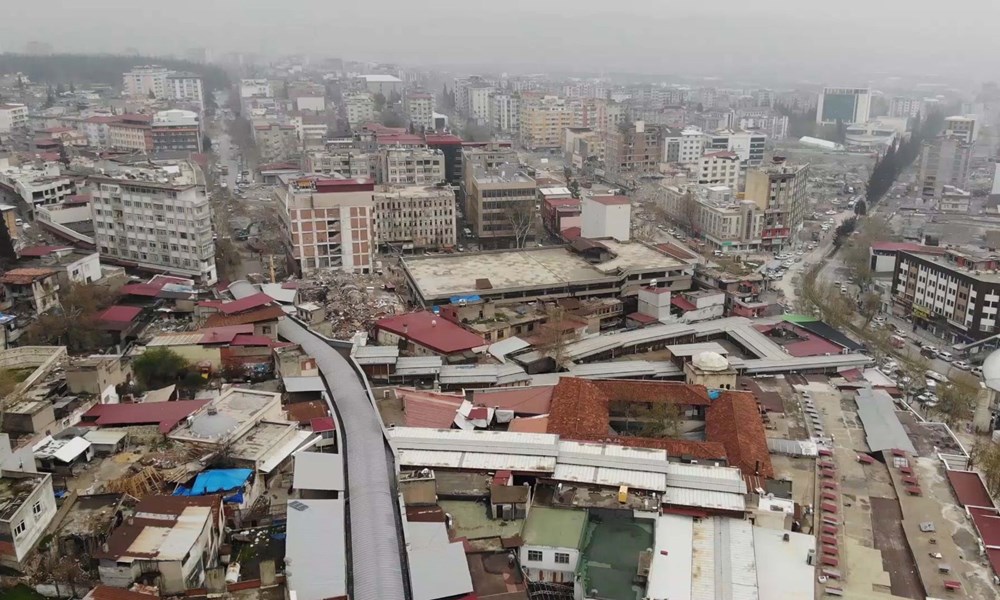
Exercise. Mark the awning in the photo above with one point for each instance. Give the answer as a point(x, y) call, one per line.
point(278, 454)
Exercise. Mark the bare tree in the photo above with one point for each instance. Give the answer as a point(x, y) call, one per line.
point(554, 335)
point(521, 217)
point(871, 302)
point(985, 457)
point(957, 399)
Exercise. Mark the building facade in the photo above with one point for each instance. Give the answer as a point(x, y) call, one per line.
point(360, 108)
point(160, 227)
point(505, 112)
point(176, 130)
point(634, 152)
point(943, 161)
point(29, 508)
point(415, 217)
point(501, 204)
point(350, 163)
point(411, 166)
point(185, 87)
point(145, 81)
point(779, 190)
point(12, 117)
point(131, 132)
point(720, 168)
point(846, 105)
point(419, 108)
point(542, 122)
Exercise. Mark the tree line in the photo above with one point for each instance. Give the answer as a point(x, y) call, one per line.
point(900, 156)
point(102, 68)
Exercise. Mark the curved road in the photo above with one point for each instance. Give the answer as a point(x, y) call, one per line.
point(375, 545)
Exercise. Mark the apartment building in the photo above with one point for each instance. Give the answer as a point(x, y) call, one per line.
point(155, 218)
point(582, 145)
point(901, 106)
point(276, 141)
point(846, 105)
point(328, 223)
point(350, 163)
point(633, 152)
point(944, 161)
point(766, 121)
point(415, 217)
point(684, 147)
point(748, 145)
point(145, 81)
point(955, 294)
point(479, 105)
point(726, 224)
point(311, 129)
point(779, 190)
point(410, 166)
point(176, 130)
point(185, 87)
point(505, 112)
point(13, 116)
point(489, 157)
point(255, 88)
point(419, 109)
point(360, 107)
point(542, 122)
point(501, 205)
point(29, 186)
point(609, 115)
point(720, 168)
point(29, 507)
point(131, 132)
point(961, 127)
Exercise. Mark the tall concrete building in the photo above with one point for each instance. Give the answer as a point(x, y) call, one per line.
point(360, 107)
point(633, 152)
point(543, 121)
point(779, 190)
point(505, 112)
point(847, 105)
point(489, 157)
point(185, 87)
point(943, 161)
point(176, 130)
point(411, 166)
point(479, 105)
point(501, 205)
point(13, 116)
point(961, 127)
point(157, 218)
point(415, 217)
point(144, 81)
point(419, 109)
point(328, 223)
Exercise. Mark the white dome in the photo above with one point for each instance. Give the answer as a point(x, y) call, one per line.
point(710, 361)
point(991, 371)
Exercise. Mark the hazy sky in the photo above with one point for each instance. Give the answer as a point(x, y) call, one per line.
point(821, 40)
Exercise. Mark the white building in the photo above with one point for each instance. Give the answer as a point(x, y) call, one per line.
point(720, 168)
point(748, 145)
point(411, 166)
point(415, 217)
point(655, 302)
point(141, 82)
point(382, 84)
point(29, 506)
point(962, 128)
point(29, 187)
point(155, 218)
point(504, 112)
point(954, 200)
point(996, 180)
point(419, 108)
point(13, 116)
point(606, 216)
point(255, 88)
point(479, 104)
point(360, 108)
point(901, 106)
point(312, 103)
point(186, 87)
point(552, 541)
point(685, 147)
point(846, 105)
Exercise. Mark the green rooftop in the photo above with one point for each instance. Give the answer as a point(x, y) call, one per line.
point(609, 559)
point(554, 527)
point(472, 520)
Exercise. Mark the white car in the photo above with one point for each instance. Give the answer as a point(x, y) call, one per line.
point(945, 356)
point(961, 365)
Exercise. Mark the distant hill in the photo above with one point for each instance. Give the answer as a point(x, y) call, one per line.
point(100, 68)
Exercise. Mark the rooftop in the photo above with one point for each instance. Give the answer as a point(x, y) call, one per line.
point(164, 528)
point(164, 414)
point(613, 552)
point(25, 276)
point(15, 488)
point(431, 331)
point(229, 414)
point(259, 315)
point(611, 200)
point(554, 527)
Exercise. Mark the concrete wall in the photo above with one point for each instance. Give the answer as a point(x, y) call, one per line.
point(35, 524)
point(548, 569)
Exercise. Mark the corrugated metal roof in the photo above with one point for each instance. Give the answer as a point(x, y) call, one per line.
point(704, 499)
point(375, 355)
point(175, 339)
point(501, 349)
point(703, 567)
point(796, 578)
point(883, 431)
point(706, 477)
point(790, 363)
point(757, 342)
point(318, 471)
point(477, 461)
point(673, 554)
point(697, 348)
point(438, 568)
point(793, 447)
point(279, 453)
point(415, 438)
point(313, 383)
point(316, 549)
point(418, 365)
point(105, 437)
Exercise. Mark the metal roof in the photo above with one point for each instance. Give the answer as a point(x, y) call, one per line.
point(706, 477)
point(279, 453)
point(477, 461)
point(704, 499)
point(757, 342)
point(375, 355)
point(418, 365)
point(456, 440)
point(376, 565)
point(883, 431)
point(796, 577)
point(501, 349)
point(725, 565)
point(625, 369)
point(313, 383)
point(63, 450)
point(697, 348)
point(604, 343)
point(792, 447)
point(494, 374)
point(315, 549)
point(671, 568)
point(318, 471)
point(438, 568)
point(105, 437)
point(792, 363)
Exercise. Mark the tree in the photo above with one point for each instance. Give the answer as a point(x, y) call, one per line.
point(871, 303)
point(73, 322)
point(574, 188)
point(860, 208)
point(474, 132)
point(379, 102)
point(50, 98)
point(957, 399)
point(985, 457)
point(858, 261)
point(152, 95)
point(394, 98)
point(391, 118)
point(160, 367)
point(553, 335)
point(844, 231)
point(520, 215)
point(8, 256)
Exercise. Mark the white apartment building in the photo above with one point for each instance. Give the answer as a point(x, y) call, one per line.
point(140, 82)
point(157, 219)
point(606, 217)
point(30, 187)
point(479, 103)
point(13, 116)
point(328, 223)
point(684, 147)
point(720, 168)
point(415, 217)
point(255, 88)
point(419, 108)
point(186, 87)
point(29, 508)
point(360, 108)
point(410, 166)
point(962, 128)
point(349, 163)
point(847, 105)
point(771, 124)
point(748, 145)
point(505, 113)
point(901, 106)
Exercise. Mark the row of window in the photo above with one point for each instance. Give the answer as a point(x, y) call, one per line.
point(561, 558)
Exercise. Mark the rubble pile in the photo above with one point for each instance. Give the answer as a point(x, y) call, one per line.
point(353, 301)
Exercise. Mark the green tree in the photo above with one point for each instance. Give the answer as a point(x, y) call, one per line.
point(957, 399)
point(160, 367)
point(379, 102)
point(574, 188)
point(73, 322)
point(985, 458)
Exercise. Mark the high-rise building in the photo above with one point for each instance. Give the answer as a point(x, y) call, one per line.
point(962, 128)
point(543, 121)
point(944, 161)
point(490, 157)
point(360, 108)
point(176, 130)
point(901, 106)
point(505, 112)
point(328, 223)
point(13, 116)
point(157, 218)
point(144, 81)
point(131, 132)
point(501, 205)
point(683, 147)
point(410, 166)
point(419, 109)
point(847, 105)
point(633, 152)
point(779, 190)
point(415, 217)
point(720, 168)
point(185, 87)
point(748, 145)
point(479, 103)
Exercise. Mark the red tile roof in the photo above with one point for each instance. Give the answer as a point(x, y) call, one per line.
point(238, 306)
point(638, 317)
point(35, 251)
point(140, 289)
point(305, 412)
point(266, 313)
point(245, 339)
point(224, 335)
point(734, 420)
point(430, 331)
point(682, 303)
point(120, 314)
point(539, 424)
point(25, 276)
point(571, 233)
point(969, 489)
point(322, 424)
point(164, 414)
point(106, 592)
point(78, 199)
point(429, 409)
point(675, 251)
point(579, 410)
point(523, 400)
point(611, 200)
point(989, 528)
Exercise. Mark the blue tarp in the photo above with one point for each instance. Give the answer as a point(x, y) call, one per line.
point(215, 481)
point(714, 394)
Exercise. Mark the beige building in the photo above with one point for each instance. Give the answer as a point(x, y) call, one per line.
point(351, 163)
point(720, 168)
point(726, 224)
point(633, 152)
point(490, 156)
point(944, 161)
point(415, 217)
point(360, 108)
point(410, 166)
point(542, 122)
point(779, 190)
point(328, 223)
point(711, 370)
point(501, 204)
point(276, 141)
point(419, 108)
point(131, 132)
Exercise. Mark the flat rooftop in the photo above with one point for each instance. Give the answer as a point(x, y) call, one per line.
point(456, 274)
point(610, 559)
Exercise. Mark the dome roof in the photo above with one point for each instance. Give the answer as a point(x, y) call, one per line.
point(210, 426)
point(710, 361)
point(991, 371)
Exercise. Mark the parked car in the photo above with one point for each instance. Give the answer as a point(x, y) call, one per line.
point(962, 365)
point(977, 371)
point(945, 356)
point(935, 376)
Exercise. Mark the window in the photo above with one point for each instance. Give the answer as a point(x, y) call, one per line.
point(19, 528)
point(562, 558)
point(36, 509)
point(534, 556)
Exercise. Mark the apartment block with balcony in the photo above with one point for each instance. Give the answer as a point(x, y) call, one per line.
point(505, 112)
point(415, 217)
point(30, 187)
point(328, 223)
point(187, 88)
point(726, 224)
point(276, 141)
point(360, 108)
point(176, 130)
point(720, 168)
point(955, 294)
point(542, 122)
point(347, 161)
point(131, 132)
point(156, 219)
point(944, 161)
point(144, 81)
point(419, 109)
point(13, 116)
point(28, 509)
point(779, 190)
point(410, 166)
point(489, 157)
